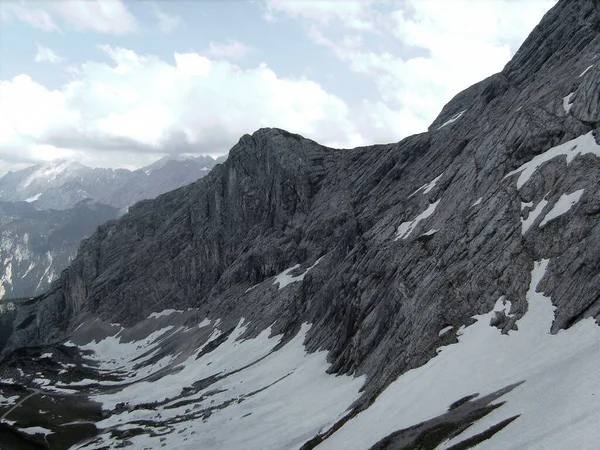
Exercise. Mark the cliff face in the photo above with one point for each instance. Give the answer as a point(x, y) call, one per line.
point(35, 246)
point(397, 246)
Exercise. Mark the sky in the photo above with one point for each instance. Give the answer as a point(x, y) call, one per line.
point(113, 83)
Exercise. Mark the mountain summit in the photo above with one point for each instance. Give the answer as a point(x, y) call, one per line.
point(440, 292)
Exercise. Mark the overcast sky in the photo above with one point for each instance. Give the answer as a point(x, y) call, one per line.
point(120, 84)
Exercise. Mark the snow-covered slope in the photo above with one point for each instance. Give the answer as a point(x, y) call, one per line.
point(189, 382)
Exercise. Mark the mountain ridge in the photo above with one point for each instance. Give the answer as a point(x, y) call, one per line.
point(60, 184)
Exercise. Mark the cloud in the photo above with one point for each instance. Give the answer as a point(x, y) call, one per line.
point(166, 22)
point(228, 50)
point(351, 13)
point(101, 16)
point(45, 54)
point(32, 15)
point(434, 49)
point(137, 106)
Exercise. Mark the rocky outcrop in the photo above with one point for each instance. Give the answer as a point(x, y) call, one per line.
point(402, 240)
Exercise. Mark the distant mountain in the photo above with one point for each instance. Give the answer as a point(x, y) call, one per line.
point(62, 184)
point(164, 175)
point(46, 210)
point(35, 246)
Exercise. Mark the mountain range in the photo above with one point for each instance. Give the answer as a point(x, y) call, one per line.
point(436, 293)
point(61, 184)
point(46, 210)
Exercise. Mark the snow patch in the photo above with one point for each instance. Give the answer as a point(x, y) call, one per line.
point(557, 393)
point(8, 401)
point(562, 206)
point(585, 71)
point(255, 400)
point(445, 330)
point(453, 119)
point(427, 187)
point(406, 228)
point(34, 198)
point(36, 430)
point(567, 102)
point(571, 149)
point(533, 214)
point(284, 278)
point(166, 312)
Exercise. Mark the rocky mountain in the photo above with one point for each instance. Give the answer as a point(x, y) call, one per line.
point(439, 292)
point(35, 246)
point(62, 184)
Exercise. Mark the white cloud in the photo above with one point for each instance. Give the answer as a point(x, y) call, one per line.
point(166, 22)
point(32, 15)
point(45, 54)
point(102, 16)
point(140, 105)
point(352, 13)
point(438, 48)
point(228, 50)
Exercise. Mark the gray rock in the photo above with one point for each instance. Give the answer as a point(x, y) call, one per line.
point(35, 246)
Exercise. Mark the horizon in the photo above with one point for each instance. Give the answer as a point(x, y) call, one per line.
point(58, 161)
point(121, 84)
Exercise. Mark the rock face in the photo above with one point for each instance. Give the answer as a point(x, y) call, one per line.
point(35, 246)
point(62, 184)
point(387, 251)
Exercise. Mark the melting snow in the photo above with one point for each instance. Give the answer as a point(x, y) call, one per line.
point(166, 312)
point(36, 430)
point(557, 395)
point(452, 119)
point(406, 228)
point(567, 102)
point(284, 278)
point(586, 71)
point(34, 198)
point(427, 187)
point(533, 214)
point(564, 204)
point(443, 331)
point(8, 401)
point(260, 398)
point(579, 146)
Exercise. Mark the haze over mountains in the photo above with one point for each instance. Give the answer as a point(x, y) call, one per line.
point(46, 210)
point(436, 293)
point(62, 184)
